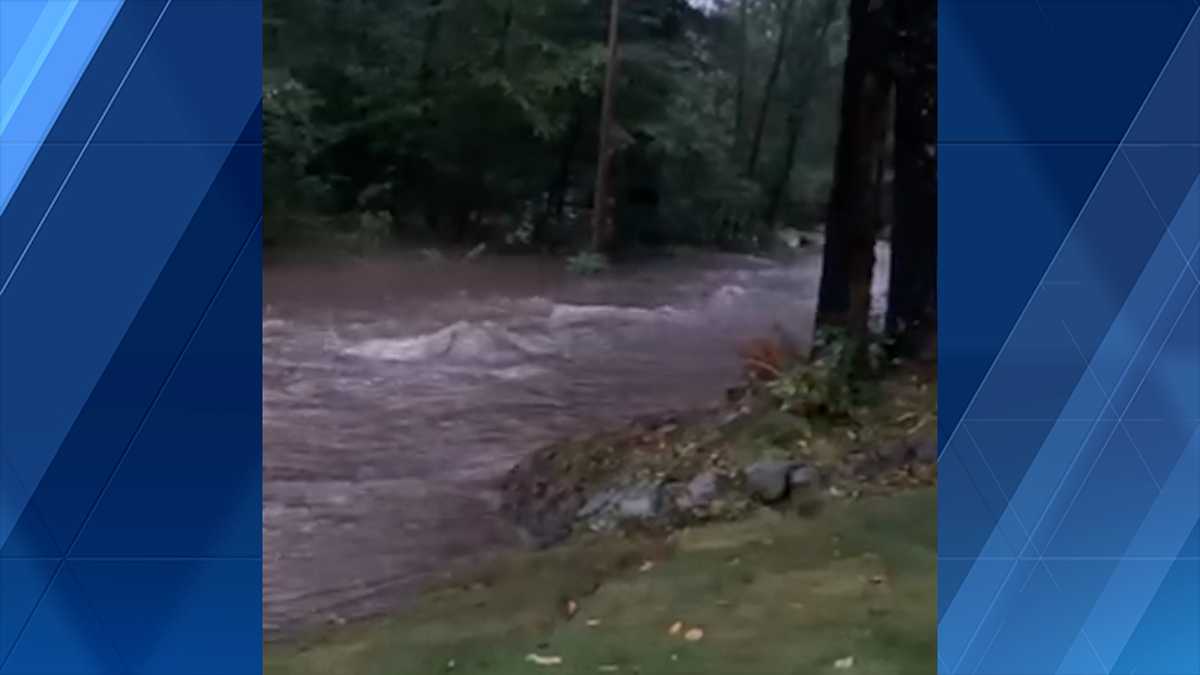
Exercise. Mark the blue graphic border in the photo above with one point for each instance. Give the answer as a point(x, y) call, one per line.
point(1069, 210)
point(130, 336)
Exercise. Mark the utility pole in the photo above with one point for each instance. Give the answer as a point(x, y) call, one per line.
point(601, 215)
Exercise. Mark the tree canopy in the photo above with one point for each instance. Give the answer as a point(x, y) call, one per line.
point(476, 120)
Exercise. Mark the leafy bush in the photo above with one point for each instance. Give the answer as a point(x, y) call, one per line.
point(587, 264)
point(830, 384)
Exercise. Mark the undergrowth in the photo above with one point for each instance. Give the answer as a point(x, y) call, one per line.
point(832, 381)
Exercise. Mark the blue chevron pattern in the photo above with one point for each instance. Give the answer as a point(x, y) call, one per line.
point(130, 336)
point(1069, 490)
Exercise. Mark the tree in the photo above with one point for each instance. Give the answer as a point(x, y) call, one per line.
point(471, 120)
point(739, 104)
point(810, 59)
point(912, 289)
point(844, 300)
point(601, 213)
point(781, 45)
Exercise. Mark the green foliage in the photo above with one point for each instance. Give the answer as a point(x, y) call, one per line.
point(478, 119)
point(834, 382)
point(291, 138)
point(587, 264)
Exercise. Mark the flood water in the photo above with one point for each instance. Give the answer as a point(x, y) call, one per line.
point(398, 391)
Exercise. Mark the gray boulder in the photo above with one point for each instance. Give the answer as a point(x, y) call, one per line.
point(768, 479)
point(597, 504)
point(606, 508)
point(803, 477)
point(641, 502)
point(703, 488)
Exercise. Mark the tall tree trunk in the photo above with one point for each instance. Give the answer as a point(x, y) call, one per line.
point(601, 213)
point(556, 199)
point(912, 291)
point(795, 125)
point(739, 105)
point(760, 125)
point(433, 28)
point(420, 172)
point(802, 87)
point(505, 30)
point(849, 256)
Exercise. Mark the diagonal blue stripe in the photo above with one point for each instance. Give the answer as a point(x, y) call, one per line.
point(158, 188)
point(1135, 582)
point(77, 615)
point(207, 495)
point(124, 391)
point(29, 59)
point(41, 79)
point(73, 125)
point(79, 157)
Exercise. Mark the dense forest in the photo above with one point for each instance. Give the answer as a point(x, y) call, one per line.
point(478, 121)
point(474, 119)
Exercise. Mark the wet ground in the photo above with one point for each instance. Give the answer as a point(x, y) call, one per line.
point(398, 390)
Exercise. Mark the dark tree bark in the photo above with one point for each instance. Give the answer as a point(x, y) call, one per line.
point(912, 293)
point(803, 83)
point(760, 125)
point(433, 29)
point(849, 255)
point(602, 231)
point(505, 30)
point(795, 125)
point(739, 104)
point(556, 198)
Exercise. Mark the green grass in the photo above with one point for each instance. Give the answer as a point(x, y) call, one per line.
point(774, 595)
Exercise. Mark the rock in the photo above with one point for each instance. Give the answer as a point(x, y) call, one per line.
point(768, 479)
point(641, 502)
point(703, 489)
point(802, 477)
point(606, 509)
point(804, 484)
point(597, 504)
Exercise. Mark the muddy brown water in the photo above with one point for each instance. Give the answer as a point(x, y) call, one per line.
point(397, 391)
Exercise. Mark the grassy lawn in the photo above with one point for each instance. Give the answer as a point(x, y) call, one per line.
point(773, 595)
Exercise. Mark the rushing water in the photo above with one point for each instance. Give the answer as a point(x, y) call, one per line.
point(397, 391)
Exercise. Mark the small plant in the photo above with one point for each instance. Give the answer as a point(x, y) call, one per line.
point(830, 384)
point(587, 263)
point(520, 233)
point(766, 360)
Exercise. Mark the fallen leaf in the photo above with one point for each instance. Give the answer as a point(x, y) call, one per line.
point(675, 628)
point(844, 664)
point(544, 660)
point(694, 635)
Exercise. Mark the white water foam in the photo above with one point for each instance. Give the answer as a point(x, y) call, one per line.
point(570, 315)
point(465, 340)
